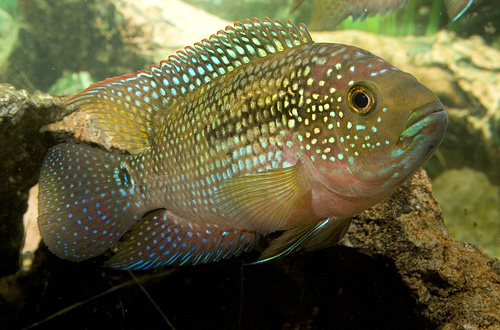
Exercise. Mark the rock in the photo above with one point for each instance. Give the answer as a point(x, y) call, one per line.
point(456, 286)
point(22, 148)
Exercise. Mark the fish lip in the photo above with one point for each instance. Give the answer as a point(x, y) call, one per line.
point(432, 117)
point(424, 111)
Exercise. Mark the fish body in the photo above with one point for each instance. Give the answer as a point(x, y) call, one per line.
point(255, 130)
point(329, 13)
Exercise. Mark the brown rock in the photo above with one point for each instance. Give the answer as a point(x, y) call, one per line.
point(456, 286)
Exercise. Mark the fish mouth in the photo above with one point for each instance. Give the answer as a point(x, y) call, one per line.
point(430, 119)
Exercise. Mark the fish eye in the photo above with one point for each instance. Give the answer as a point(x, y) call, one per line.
point(360, 99)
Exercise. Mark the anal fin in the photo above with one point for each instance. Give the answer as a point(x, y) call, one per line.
point(163, 239)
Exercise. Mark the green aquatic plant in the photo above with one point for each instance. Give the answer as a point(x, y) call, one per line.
point(9, 29)
point(71, 83)
point(414, 19)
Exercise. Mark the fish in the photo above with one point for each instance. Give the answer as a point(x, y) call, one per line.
point(329, 13)
point(255, 130)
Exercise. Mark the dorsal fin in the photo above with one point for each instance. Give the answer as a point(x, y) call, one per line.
point(125, 106)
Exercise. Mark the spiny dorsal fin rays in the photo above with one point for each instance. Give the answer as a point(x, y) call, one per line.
point(122, 107)
point(222, 52)
point(125, 106)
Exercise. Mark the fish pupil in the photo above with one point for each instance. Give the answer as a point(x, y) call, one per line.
point(360, 100)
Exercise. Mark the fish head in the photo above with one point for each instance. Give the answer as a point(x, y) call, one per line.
point(380, 126)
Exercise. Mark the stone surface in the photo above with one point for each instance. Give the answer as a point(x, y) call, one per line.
point(22, 148)
point(456, 285)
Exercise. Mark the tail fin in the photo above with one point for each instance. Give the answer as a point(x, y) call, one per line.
point(86, 201)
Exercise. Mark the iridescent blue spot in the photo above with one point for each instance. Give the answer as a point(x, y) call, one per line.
point(215, 60)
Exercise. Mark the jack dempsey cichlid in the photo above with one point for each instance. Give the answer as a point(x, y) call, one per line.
point(255, 130)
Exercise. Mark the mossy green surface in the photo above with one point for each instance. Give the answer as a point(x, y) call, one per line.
point(471, 208)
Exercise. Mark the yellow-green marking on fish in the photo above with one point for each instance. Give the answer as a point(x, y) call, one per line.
point(255, 130)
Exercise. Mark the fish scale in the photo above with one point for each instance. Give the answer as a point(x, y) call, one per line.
point(254, 130)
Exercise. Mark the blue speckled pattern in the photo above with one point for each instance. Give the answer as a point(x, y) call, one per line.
point(255, 130)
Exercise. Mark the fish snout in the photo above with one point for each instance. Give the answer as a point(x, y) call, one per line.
point(429, 120)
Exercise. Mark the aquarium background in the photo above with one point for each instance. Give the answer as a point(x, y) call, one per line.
point(60, 47)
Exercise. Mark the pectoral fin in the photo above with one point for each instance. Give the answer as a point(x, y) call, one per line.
point(263, 201)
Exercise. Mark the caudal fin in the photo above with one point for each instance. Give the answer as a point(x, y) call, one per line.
point(86, 201)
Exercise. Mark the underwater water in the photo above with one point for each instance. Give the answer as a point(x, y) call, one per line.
point(61, 47)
